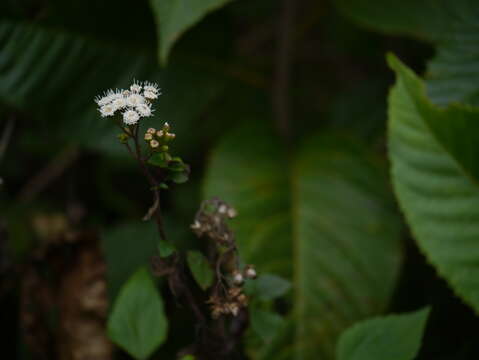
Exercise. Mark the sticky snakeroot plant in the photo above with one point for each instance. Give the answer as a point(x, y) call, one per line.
point(217, 300)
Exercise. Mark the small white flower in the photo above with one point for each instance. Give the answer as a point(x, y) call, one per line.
point(148, 136)
point(119, 103)
point(117, 94)
point(150, 95)
point(106, 98)
point(152, 87)
point(130, 117)
point(144, 110)
point(134, 100)
point(154, 143)
point(151, 131)
point(107, 110)
point(135, 87)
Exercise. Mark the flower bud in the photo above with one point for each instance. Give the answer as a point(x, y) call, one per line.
point(148, 136)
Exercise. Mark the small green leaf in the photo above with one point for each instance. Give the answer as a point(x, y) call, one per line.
point(200, 268)
point(174, 17)
point(160, 159)
point(266, 323)
point(188, 357)
point(176, 164)
point(268, 287)
point(393, 337)
point(165, 248)
point(138, 323)
point(178, 177)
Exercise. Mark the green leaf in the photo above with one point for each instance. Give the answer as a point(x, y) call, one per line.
point(176, 164)
point(393, 337)
point(138, 323)
point(174, 17)
point(453, 74)
point(126, 248)
point(267, 287)
point(435, 175)
point(200, 268)
point(325, 220)
point(266, 323)
point(178, 177)
point(165, 248)
point(160, 159)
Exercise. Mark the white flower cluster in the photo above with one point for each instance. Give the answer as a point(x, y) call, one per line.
point(133, 104)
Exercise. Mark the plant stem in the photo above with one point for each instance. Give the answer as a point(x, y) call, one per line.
point(151, 179)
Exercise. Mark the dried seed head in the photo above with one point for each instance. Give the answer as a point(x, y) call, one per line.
point(238, 278)
point(196, 225)
point(233, 308)
point(250, 272)
point(222, 209)
point(232, 213)
point(242, 299)
point(234, 291)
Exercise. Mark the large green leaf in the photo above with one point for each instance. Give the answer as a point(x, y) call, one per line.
point(453, 74)
point(393, 337)
point(324, 220)
point(138, 323)
point(54, 76)
point(435, 174)
point(174, 17)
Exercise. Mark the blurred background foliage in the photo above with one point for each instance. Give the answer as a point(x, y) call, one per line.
point(280, 108)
